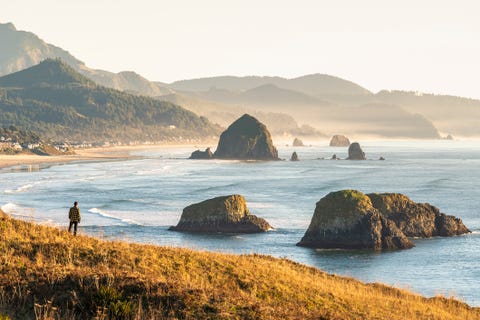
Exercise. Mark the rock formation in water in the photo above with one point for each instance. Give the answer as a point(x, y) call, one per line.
point(226, 214)
point(346, 219)
point(334, 157)
point(246, 139)
point(350, 219)
point(339, 140)
point(416, 219)
point(294, 157)
point(297, 143)
point(355, 152)
point(198, 154)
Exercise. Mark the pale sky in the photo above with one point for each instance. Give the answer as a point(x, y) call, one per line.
point(429, 46)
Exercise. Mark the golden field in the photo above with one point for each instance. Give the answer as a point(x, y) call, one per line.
point(47, 273)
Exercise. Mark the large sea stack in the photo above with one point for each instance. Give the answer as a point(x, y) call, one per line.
point(246, 139)
point(226, 214)
point(347, 219)
point(416, 219)
point(355, 152)
point(339, 140)
point(350, 219)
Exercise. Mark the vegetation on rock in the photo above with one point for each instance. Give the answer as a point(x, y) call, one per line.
point(416, 219)
point(351, 219)
point(347, 219)
point(228, 214)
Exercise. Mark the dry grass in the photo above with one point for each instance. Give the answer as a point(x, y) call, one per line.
point(48, 274)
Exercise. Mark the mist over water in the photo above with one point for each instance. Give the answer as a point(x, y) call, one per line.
point(137, 200)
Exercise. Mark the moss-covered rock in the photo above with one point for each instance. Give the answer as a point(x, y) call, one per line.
point(339, 140)
point(347, 219)
point(226, 214)
point(246, 139)
point(416, 219)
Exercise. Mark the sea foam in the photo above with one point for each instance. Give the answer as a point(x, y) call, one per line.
point(19, 189)
point(113, 216)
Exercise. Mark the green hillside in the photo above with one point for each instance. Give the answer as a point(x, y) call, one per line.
point(54, 100)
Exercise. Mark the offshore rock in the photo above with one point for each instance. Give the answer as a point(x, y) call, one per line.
point(297, 143)
point(416, 219)
point(355, 152)
point(198, 154)
point(347, 219)
point(226, 214)
point(294, 157)
point(339, 140)
point(246, 139)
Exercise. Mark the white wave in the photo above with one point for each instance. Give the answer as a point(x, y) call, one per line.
point(9, 207)
point(18, 211)
point(19, 189)
point(113, 216)
point(151, 171)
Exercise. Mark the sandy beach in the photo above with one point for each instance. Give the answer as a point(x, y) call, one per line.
point(94, 154)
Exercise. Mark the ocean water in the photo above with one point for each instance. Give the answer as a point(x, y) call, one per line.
point(138, 199)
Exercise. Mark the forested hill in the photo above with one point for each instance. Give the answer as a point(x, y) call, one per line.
point(54, 100)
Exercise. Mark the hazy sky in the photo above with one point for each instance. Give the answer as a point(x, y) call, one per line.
point(430, 46)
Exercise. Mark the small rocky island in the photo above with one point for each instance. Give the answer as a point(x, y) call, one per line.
point(349, 219)
point(246, 139)
point(294, 156)
point(198, 154)
point(339, 140)
point(297, 143)
point(355, 152)
point(226, 214)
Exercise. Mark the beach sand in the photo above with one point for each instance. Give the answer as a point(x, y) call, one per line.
point(93, 154)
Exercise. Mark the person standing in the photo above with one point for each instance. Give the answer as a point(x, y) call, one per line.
point(74, 216)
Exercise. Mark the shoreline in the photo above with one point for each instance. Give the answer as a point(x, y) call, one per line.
point(88, 154)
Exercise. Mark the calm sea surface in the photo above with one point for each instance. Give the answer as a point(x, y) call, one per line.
point(138, 199)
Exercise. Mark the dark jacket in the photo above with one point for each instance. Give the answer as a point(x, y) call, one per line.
point(74, 214)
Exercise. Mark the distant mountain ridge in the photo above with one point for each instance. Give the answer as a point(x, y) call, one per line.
point(314, 85)
point(54, 100)
point(327, 103)
point(21, 49)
